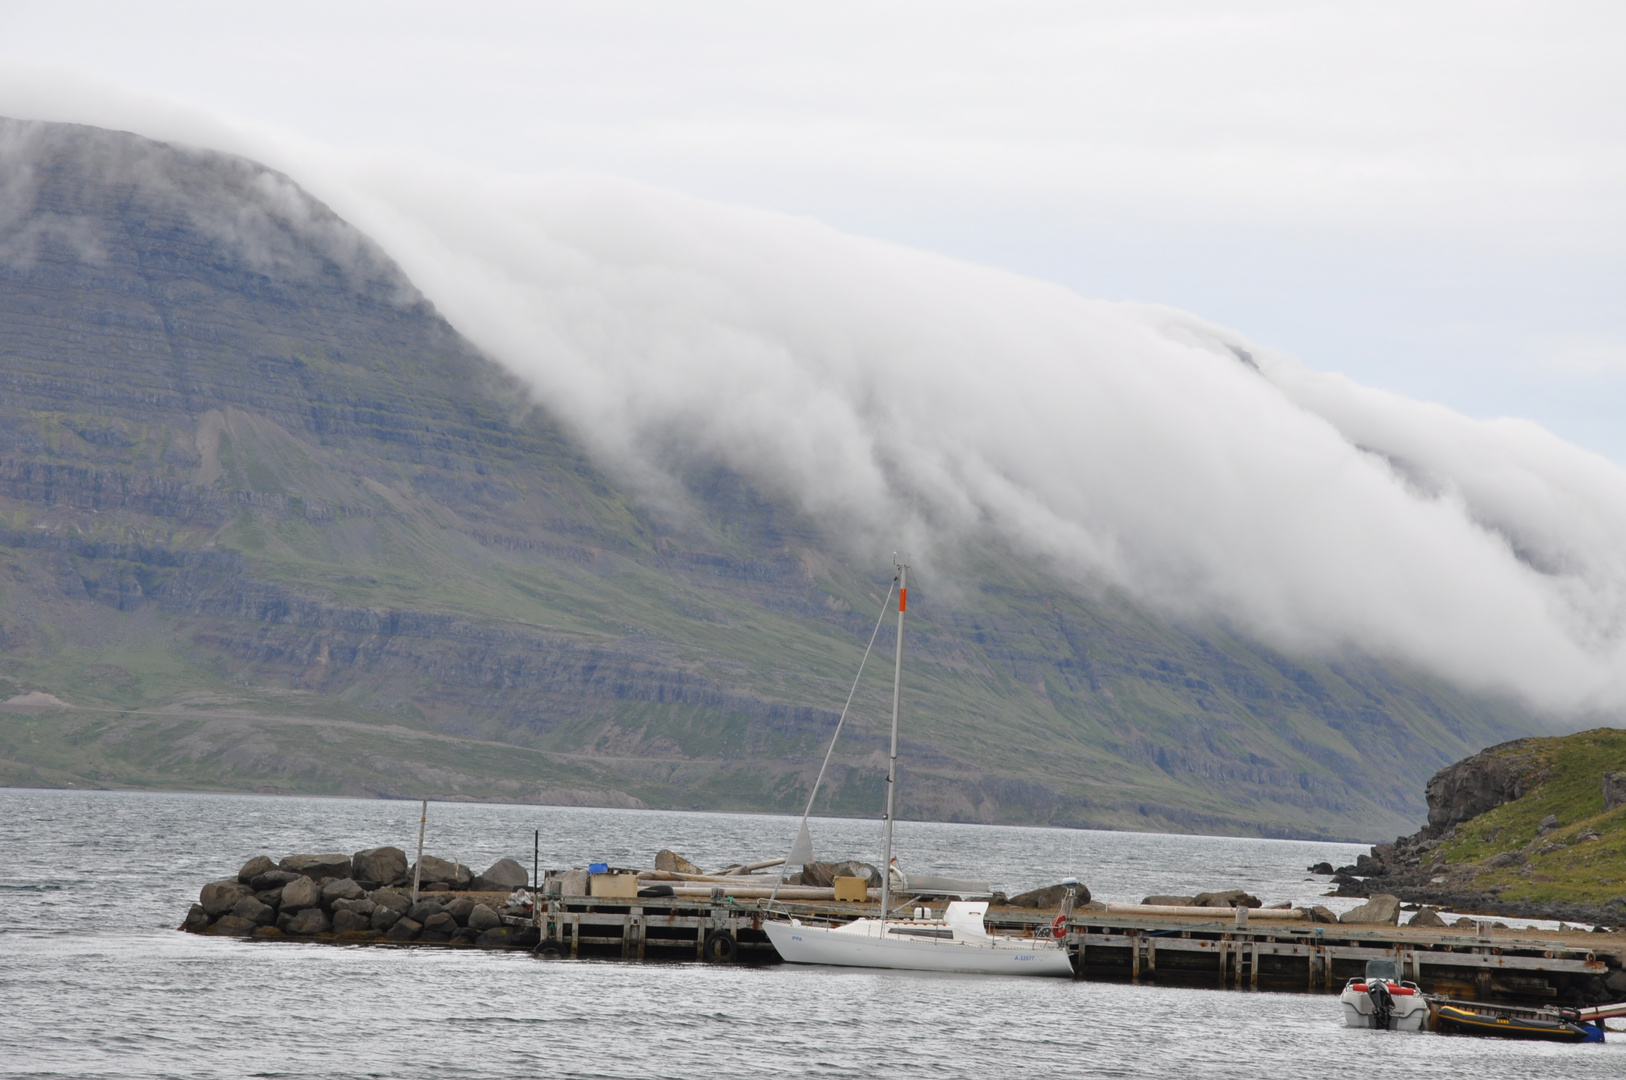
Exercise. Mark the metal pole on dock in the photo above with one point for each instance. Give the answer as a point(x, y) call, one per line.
point(892, 766)
point(536, 878)
point(417, 867)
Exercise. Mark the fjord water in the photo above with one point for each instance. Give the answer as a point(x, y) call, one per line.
point(95, 981)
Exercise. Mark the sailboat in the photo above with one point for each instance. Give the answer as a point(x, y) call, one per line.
point(957, 940)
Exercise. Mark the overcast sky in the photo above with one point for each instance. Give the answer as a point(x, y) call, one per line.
point(1427, 197)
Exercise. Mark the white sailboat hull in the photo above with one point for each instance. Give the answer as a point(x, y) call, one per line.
point(800, 944)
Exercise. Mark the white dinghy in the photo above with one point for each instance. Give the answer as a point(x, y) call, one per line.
point(957, 941)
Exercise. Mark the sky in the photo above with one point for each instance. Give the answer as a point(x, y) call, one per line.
point(1303, 316)
point(1428, 198)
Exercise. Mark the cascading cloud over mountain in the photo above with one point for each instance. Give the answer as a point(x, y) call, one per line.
point(908, 398)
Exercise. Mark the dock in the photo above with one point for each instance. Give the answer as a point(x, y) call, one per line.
point(1479, 964)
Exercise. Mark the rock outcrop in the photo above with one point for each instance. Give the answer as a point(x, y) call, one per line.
point(1504, 825)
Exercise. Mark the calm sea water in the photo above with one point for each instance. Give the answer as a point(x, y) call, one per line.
point(94, 980)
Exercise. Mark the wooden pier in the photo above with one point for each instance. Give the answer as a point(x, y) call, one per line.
point(1478, 964)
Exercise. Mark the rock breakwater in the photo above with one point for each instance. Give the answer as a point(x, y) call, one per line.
point(367, 897)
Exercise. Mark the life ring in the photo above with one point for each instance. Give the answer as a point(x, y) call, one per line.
point(1058, 926)
point(720, 946)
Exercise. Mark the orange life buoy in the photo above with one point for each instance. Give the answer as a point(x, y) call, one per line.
point(1058, 926)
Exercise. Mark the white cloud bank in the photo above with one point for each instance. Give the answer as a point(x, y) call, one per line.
point(907, 395)
point(915, 400)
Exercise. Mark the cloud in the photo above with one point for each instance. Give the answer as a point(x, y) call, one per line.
point(906, 399)
point(893, 393)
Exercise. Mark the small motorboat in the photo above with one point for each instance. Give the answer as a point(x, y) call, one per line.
point(1550, 1025)
point(1380, 999)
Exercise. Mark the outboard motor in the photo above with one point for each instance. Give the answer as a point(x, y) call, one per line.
point(1383, 1004)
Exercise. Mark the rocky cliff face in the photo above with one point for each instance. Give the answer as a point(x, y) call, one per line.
point(1529, 827)
point(267, 521)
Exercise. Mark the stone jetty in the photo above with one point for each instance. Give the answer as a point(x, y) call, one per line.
point(367, 897)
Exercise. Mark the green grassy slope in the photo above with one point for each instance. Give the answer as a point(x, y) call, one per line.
point(1567, 863)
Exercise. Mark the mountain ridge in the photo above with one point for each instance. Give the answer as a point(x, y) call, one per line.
point(265, 484)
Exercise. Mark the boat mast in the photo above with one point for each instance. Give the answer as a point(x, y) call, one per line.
point(892, 766)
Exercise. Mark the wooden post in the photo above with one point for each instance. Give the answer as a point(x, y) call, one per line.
point(417, 867)
point(1134, 958)
point(536, 879)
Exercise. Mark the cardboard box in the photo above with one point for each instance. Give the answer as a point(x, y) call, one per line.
point(618, 886)
point(852, 889)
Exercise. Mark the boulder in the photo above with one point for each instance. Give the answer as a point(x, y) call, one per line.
point(402, 929)
point(390, 898)
point(312, 920)
point(1614, 790)
point(672, 862)
point(1547, 824)
point(1382, 909)
point(1586, 836)
point(483, 918)
point(272, 879)
point(1426, 917)
point(1048, 897)
point(1320, 914)
point(259, 914)
point(385, 917)
point(441, 922)
point(300, 894)
point(348, 921)
point(381, 864)
point(459, 910)
point(1230, 898)
point(421, 911)
point(270, 897)
point(342, 889)
point(196, 919)
point(442, 872)
point(317, 866)
point(235, 925)
point(1506, 858)
point(824, 874)
point(256, 866)
point(1320, 868)
point(498, 937)
point(1169, 901)
point(504, 875)
point(363, 906)
point(219, 897)
point(1464, 923)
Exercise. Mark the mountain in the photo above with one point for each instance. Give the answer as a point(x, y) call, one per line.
point(268, 522)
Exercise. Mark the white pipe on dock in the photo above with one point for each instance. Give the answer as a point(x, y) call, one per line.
point(1222, 913)
point(756, 892)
